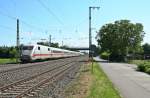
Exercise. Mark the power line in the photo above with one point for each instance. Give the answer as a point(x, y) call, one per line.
point(15, 6)
point(8, 16)
point(50, 12)
point(31, 26)
point(8, 28)
point(22, 21)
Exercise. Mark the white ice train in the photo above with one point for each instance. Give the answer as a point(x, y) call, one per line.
point(39, 52)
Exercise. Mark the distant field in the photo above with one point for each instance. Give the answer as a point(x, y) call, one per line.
point(7, 60)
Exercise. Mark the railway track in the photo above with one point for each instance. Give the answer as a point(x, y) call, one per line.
point(14, 75)
point(12, 67)
point(31, 85)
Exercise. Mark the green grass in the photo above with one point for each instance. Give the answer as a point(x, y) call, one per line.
point(138, 61)
point(101, 85)
point(7, 60)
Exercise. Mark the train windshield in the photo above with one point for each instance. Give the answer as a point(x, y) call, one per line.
point(27, 47)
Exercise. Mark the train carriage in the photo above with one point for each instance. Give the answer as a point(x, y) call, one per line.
point(36, 52)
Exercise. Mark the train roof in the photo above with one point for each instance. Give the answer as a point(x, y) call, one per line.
point(57, 49)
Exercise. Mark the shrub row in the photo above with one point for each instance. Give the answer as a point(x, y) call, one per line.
point(144, 67)
point(112, 57)
point(104, 55)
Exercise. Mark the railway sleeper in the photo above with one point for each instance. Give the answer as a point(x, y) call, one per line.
point(43, 86)
point(32, 81)
point(33, 92)
point(20, 88)
point(24, 86)
point(30, 95)
point(15, 92)
point(37, 90)
point(8, 94)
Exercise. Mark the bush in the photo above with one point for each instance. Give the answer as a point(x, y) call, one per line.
point(117, 58)
point(105, 55)
point(141, 67)
point(144, 67)
point(148, 70)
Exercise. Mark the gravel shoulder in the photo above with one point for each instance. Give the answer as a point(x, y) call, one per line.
point(80, 86)
point(130, 83)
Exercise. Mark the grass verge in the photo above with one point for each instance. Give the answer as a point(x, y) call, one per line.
point(138, 61)
point(92, 85)
point(7, 60)
point(101, 85)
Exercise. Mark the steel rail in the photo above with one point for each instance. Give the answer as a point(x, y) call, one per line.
point(51, 80)
point(26, 79)
point(32, 65)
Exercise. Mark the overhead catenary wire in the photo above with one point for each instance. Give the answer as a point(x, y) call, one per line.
point(8, 16)
point(6, 27)
point(31, 26)
point(22, 21)
point(15, 6)
point(50, 12)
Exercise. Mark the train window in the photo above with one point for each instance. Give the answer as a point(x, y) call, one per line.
point(55, 51)
point(48, 49)
point(27, 47)
point(38, 48)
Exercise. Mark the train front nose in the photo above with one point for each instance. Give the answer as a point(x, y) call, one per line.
point(25, 58)
point(25, 55)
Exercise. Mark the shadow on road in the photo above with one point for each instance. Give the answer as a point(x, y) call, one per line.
point(100, 61)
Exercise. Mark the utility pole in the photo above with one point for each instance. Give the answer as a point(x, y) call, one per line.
point(90, 37)
point(50, 40)
point(90, 40)
point(18, 43)
point(62, 43)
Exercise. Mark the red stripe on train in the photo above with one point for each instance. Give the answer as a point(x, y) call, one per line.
point(47, 54)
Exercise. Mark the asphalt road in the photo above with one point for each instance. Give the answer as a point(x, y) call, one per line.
point(129, 82)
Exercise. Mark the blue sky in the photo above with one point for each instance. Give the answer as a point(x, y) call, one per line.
point(66, 20)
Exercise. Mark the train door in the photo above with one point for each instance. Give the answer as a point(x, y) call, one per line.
point(37, 52)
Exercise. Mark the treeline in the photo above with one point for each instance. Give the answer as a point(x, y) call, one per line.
point(55, 45)
point(144, 53)
point(7, 52)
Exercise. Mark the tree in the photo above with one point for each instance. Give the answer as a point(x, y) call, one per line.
point(56, 45)
point(120, 37)
point(95, 50)
point(7, 52)
point(12, 52)
point(43, 43)
point(146, 48)
point(64, 47)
